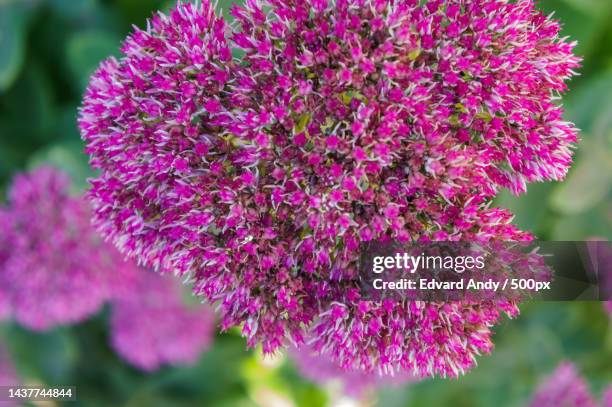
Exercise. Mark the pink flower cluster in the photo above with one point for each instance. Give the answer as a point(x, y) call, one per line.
point(152, 326)
point(54, 267)
point(342, 122)
point(566, 387)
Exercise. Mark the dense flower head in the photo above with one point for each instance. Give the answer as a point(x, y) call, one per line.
point(55, 268)
point(356, 384)
point(152, 325)
point(564, 387)
point(342, 122)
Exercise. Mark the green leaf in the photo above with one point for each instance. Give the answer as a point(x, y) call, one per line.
point(10, 157)
point(528, 209)
point(593, 223)
point(302, 123)
point(47, 357)
point(576, 23)
point(12, 44)
point(590, 108)
point(67, 156)
point(588, 183)
point(594, 8)
point(27, 107)
point(136, 11)
point(74, 9)
point(85, 51)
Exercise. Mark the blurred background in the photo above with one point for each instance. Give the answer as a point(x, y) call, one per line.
point(48, 49)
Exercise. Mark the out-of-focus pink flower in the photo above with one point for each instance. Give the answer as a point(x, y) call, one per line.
point(54, 267)
point(5, 301)
point(606, 399)
point(152, 325)
point(342, 122)
point(608, 306)
point(564, 387)
point(599, 260)
point(356, 384)
point(8, 374)
point(5, 307)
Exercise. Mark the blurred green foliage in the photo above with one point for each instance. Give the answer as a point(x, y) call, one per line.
point(48, 49)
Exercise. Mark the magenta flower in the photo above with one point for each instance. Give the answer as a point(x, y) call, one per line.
point(55, 269)
point(355, 384)
point(343, 122)
point(152, 326)
point(565, 387)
